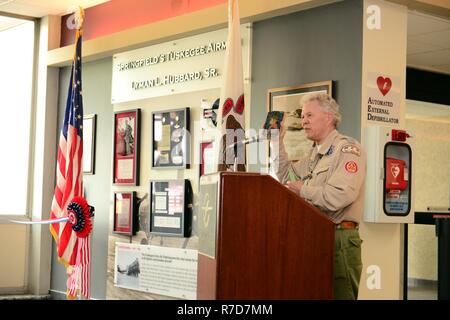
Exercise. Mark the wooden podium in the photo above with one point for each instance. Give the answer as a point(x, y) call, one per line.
point(258, 240)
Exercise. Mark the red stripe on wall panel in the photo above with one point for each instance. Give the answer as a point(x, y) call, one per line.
point(119, 15)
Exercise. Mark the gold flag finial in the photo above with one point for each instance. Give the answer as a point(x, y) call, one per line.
point(76, 18)
point(79, 17)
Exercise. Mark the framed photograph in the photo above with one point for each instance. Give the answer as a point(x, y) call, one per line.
point(89, 131)
point(171, 139)
point(206, 157)
point(288, 100)
point(125, 213)
point(126, 147)
point(171, 207)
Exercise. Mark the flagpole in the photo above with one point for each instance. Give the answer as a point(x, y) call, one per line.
point(78, 268)
point(79, 20)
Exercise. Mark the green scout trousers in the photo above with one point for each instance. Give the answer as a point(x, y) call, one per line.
point(347, 264)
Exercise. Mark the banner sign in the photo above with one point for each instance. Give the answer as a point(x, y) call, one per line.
point(189, 64)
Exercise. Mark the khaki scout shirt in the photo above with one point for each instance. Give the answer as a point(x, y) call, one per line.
point(333, 178)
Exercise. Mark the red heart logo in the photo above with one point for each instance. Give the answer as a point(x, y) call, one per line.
point(227, 106)
point(240, 105)
point(384, 85)
point(395, 170)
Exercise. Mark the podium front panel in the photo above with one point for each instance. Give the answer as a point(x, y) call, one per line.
point(207, 215)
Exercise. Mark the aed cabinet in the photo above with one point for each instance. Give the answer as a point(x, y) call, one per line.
point(389, 186)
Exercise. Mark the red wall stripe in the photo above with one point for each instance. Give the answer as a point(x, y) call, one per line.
point(119, 15)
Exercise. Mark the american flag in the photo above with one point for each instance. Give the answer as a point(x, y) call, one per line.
point(73, 252)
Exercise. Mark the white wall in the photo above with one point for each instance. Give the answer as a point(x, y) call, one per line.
point(13, 248)
point(430, 125)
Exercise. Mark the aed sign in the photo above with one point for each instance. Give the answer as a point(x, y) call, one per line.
point(189, 64)
point(382, 100)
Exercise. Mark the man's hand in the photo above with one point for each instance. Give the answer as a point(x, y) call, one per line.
point(282, 131)
point(295, 186)
point(278, 139)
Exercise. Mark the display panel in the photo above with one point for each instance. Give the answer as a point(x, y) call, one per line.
point(171, 207)
point(171, 139)
point(125, 213)
point(126, 147)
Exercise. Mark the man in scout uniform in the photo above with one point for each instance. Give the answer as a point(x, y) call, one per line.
point(331, 177)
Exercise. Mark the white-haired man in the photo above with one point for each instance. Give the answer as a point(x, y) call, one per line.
point(331, 177)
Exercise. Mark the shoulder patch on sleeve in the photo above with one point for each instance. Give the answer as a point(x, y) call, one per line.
point(351, 148)
point(351, 167)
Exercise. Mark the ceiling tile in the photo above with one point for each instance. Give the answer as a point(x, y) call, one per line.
point(420, 23)
point(415, 47)
point(439, 38)
point(23, 9)
point(7, 22)
point(430, 59)
point(42, 8)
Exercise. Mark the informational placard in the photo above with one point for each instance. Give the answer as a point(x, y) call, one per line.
point(383, 99)
point(162, 270)
point(184, 65)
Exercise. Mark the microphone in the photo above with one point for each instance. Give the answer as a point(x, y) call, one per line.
point(250, 140)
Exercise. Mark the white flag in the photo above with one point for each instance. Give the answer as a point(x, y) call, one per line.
point(231, 111)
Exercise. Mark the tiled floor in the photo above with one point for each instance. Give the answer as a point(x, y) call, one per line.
point(417, 290)
point(24, 297)
point(422, 290)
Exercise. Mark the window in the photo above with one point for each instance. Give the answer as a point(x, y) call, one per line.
point(16, 79)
